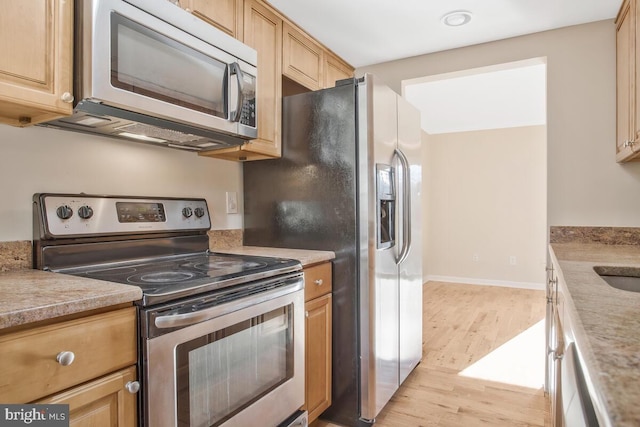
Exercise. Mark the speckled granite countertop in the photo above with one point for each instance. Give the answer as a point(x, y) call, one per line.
point(305, 256)
point(28, 296)
point(606, 323)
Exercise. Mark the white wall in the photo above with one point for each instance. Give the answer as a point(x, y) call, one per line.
point(39, 159)
point(586, 187)
point(486, 196)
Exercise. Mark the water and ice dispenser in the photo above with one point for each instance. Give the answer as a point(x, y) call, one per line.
point(386, 206)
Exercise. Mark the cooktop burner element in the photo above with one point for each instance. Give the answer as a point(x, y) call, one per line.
point(161, 277)
point(216, 263)
point(158, 244)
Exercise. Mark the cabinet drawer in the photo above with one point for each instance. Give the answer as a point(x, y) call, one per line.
point(101, 344)
point(317, 281)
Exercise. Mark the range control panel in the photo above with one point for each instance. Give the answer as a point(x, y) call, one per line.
point(81, 215)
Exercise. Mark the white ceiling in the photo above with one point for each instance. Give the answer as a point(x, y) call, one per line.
point(366, 32)
point(511, 95)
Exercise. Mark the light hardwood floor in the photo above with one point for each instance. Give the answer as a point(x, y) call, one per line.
point(462, 324)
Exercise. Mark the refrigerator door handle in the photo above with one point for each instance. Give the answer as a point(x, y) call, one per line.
point(406, 206)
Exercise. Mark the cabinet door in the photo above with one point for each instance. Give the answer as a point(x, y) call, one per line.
point(625, 70)
point(302, 58)
point(36, 45)
point(263, 32)
point(335, 69)
point(555, 358)
point(224, 14)
point(318, 356)
point(634, 88)
point(103, 402)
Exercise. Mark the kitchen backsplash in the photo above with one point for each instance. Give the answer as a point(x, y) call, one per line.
point(15, 255)
point(603, 235)
point(224, 239)
point(18, 255)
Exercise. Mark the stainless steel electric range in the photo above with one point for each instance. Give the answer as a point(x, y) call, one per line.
point(221, 336)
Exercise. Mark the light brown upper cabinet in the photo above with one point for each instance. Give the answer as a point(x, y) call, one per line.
point(284, 51)
point(335, 69)
point(263, 32)
point(227, 15)
point(627, 86)
point(302, 58)
point(36, 54)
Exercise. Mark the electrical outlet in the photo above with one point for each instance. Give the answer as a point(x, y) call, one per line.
point(513, 260)
point(232, 202)
point(476, 257)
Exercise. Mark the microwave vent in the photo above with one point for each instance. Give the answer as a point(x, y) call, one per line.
point(99, 118)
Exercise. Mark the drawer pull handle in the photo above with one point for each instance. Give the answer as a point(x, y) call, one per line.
point(65, 358)
point(132, 387)
point(318, 282)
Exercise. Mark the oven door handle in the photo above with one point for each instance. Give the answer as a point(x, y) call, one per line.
point(193, 317)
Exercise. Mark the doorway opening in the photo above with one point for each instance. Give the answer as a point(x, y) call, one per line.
point(484, 173)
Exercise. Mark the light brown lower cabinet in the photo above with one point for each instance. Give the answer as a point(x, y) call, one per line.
point(318, 356)
point(318, 339)
point(105, 402)
point(86, 362)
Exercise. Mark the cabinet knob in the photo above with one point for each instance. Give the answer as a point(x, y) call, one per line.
point(628, 143)
point(67, 97)
point(132, 387)
point(306, 314)
point(65, 358)
point(318, 282)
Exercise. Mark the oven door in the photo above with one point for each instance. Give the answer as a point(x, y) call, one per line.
point(135, 61)
point(242, 366)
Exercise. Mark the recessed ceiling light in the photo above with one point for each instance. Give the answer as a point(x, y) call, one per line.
point(456, 18)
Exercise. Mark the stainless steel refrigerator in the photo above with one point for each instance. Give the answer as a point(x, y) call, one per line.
point(349, 181)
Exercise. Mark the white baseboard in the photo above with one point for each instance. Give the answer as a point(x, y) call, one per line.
point(486, 282)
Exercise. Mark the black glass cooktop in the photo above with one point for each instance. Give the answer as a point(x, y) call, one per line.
point(170, 278)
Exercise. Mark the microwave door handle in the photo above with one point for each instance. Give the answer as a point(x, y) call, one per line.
point(235, 69)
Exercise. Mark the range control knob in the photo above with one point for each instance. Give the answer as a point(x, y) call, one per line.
point(85, 212)
point(187, 212)
point(64, 212)
point(199, 212)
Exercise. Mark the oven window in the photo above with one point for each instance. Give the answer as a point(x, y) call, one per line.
point(223, 372)
point(153, 65)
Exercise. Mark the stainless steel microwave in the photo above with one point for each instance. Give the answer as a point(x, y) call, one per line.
point(149, 71)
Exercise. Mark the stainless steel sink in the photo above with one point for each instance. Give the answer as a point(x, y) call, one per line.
point(625, 278)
